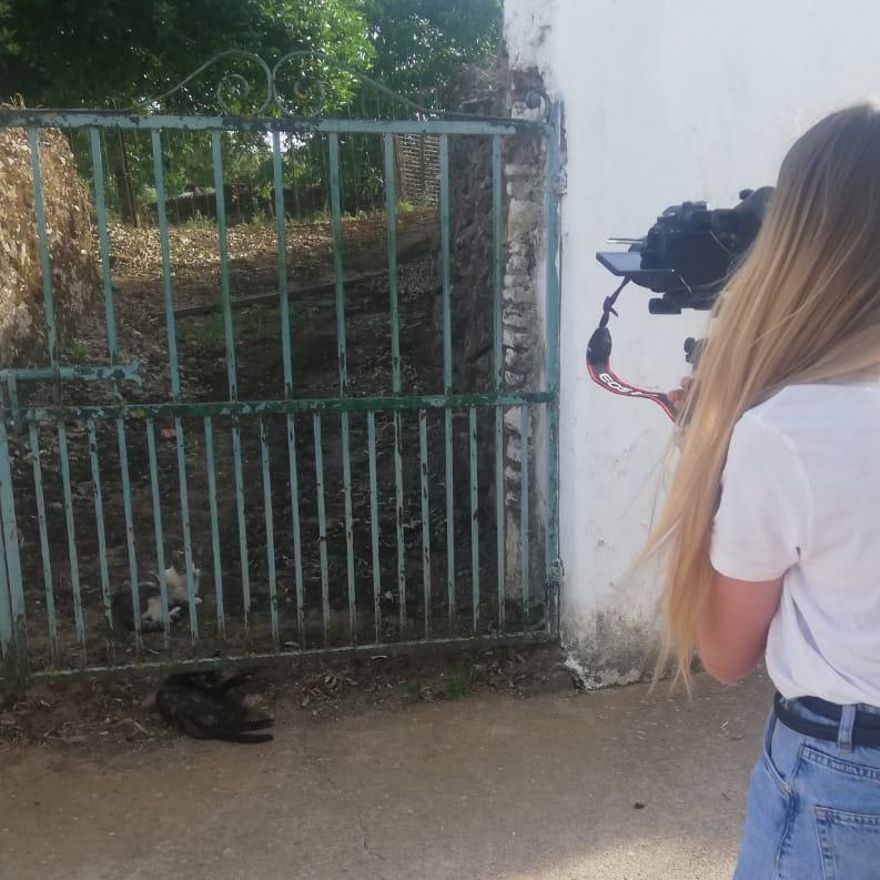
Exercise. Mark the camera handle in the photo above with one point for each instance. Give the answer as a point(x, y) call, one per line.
point(599, 362)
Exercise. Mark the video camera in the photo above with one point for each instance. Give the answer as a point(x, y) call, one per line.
point(686, 257)
point(690, 251)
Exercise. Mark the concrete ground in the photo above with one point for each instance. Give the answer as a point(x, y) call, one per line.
point(620, 784)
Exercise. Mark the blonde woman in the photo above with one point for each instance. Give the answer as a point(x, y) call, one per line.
point(771, 529)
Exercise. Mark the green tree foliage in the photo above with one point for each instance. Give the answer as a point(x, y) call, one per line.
point(420, 44)
point(121, 53)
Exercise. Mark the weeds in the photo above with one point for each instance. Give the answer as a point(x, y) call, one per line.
point(78, 353)
point(457, 687)
point(254, 322)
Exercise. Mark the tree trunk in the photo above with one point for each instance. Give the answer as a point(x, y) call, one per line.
point(119, 166)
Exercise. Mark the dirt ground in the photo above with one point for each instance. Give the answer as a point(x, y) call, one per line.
point(554, 785)
point(96, 718)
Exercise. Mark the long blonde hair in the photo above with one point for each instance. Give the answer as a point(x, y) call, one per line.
point(803, 307)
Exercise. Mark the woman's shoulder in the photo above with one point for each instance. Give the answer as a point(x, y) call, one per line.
point(826, 409)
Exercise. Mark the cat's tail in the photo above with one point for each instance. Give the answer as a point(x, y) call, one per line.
point(240, 736)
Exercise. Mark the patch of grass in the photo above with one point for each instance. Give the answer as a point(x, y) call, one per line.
point(199, 221)
point(206, 331)
point(78, 353)
point(256, 322)
point(258, 222)
point(457, 686)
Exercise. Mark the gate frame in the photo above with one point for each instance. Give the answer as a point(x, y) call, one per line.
point(13, 639)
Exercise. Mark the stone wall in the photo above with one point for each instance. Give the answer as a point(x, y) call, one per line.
point(499, 93)
point(523, 336)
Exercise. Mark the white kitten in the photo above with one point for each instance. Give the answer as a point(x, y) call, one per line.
point(150, 595)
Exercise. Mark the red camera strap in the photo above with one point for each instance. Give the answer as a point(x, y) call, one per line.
point(599, 363)
point(604, 376)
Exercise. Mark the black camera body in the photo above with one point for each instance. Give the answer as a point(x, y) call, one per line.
point(689, 253)
point(686, 257)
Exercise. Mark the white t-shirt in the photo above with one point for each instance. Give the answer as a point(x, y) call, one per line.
point(801, 497)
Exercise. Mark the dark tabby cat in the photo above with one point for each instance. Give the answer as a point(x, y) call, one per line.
point(204, 705)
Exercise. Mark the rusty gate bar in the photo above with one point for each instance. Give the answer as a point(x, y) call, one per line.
point(12, 619)
point(374, 527)
point(215, 531)
point(552, 365)
point(6, 644)
point(45, 552)
point(23, 118)
point(447, 375)
point(158, 530)
point(99, 522)
point(498, 364)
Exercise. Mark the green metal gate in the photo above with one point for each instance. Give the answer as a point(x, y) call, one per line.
point(81, 432)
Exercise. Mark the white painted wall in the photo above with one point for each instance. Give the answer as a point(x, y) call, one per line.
point(665, 100)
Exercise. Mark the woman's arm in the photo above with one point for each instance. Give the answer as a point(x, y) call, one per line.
point(732, 634)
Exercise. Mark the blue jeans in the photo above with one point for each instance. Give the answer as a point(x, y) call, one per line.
point(814, 807)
